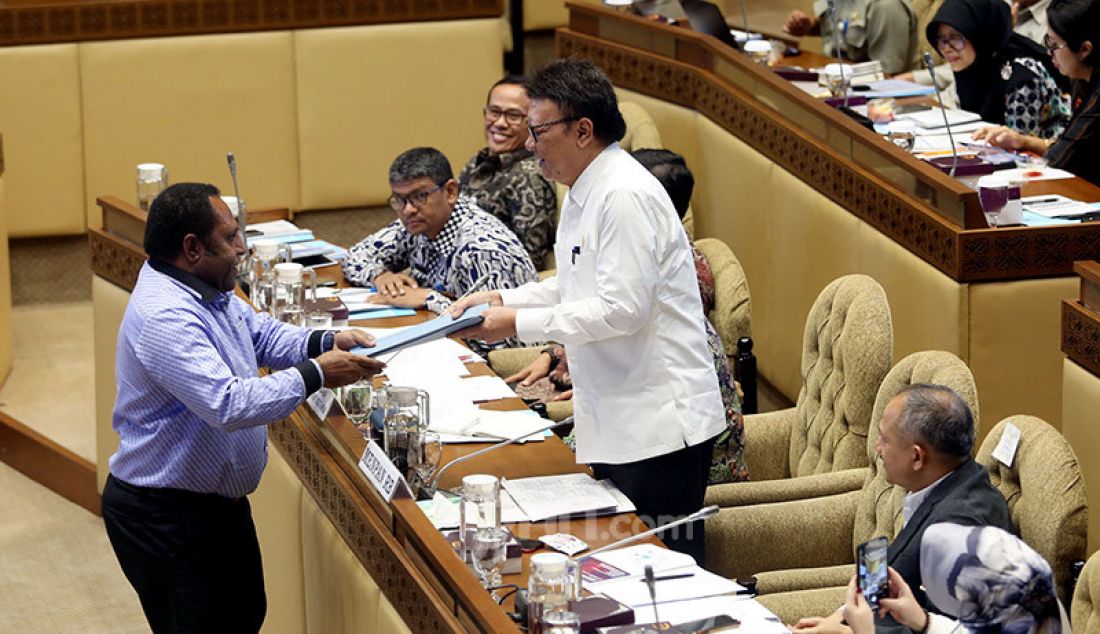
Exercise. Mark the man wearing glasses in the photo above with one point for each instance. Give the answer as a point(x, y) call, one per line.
point(447, 243)
point(504, 178)
point(625, 303)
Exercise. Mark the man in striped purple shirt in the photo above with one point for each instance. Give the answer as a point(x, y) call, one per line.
point(191, 415)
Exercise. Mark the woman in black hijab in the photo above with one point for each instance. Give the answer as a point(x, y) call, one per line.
point(1001, 75)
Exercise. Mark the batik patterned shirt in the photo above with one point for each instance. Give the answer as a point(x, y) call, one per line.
point(472, 245)
point(511, 187)
point(1034, 104)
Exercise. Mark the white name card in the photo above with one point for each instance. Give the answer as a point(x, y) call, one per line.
point(381, 473)
point(320, 402)
point(1006, 447)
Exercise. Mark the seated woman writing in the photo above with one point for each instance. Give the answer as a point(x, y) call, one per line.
point(1073, 34)
point(1001, 75)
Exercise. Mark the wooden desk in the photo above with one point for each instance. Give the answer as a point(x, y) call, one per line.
point(408, 559)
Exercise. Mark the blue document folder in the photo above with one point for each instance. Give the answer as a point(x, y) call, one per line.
point(435, 329)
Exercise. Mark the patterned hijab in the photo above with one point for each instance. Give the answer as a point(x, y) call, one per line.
point(990, 580)
point(987, 25)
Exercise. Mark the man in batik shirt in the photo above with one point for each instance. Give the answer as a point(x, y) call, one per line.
point(504, 177)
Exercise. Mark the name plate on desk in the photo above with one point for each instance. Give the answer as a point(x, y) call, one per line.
point(383, 475)
point(320, 402)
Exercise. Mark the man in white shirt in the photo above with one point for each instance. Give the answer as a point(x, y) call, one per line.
point(625, 303)
point(926, 436)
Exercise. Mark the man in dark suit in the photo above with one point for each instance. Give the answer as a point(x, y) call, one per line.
point(926, 437)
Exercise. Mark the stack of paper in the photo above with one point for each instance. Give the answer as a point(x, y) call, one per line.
point(282, 231)
point(560, 496)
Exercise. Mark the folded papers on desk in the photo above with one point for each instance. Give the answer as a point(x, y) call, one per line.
point(566, 495)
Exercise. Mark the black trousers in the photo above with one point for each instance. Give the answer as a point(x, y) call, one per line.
point(192, 557)
point(666, 488)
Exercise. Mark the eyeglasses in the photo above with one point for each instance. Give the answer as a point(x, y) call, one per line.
point(536, 130)
point(416, 198)
point(512, 117)
point(1049, 44)
point(956, 42)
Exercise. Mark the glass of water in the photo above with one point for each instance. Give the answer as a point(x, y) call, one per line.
point(424, 457)
point(356, 400)
point(488, 551)
point(561, 622)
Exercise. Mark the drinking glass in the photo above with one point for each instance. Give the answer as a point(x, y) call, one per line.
point(488, 551)
point(355, 398)
point(561, 622)
point(993, 199)
point(424, 459)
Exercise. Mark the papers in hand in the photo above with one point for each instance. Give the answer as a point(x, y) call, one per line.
point(435, 329)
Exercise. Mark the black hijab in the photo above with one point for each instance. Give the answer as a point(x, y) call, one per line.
point(987, 24)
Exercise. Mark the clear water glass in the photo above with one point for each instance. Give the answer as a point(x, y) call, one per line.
point(561, 622)
point(993, 199)
point(424, 459)
point(356, 400)
point(488, 552)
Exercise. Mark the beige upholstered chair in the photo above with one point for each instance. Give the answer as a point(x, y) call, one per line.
point(1085, 610)
point(732, 317)
point(1045, 493)
point(806, 573)
point(847, 348)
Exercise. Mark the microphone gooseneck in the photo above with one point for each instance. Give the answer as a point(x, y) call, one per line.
point(939, 99)
point(651, 583)
point(702, 514)
point(479, 452)
point(835, 20)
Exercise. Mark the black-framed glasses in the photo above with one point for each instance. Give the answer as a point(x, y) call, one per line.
point(511, 116)
point(956, 42)
point(536, 130)
point(416, 198)
point(1050, 45)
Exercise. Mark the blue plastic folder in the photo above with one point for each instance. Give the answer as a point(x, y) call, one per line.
point(435, 329)
point(380, 313)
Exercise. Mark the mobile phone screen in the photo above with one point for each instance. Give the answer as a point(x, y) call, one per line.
point(871, 569)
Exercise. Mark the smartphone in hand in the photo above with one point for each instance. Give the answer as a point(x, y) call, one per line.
point(871, 570)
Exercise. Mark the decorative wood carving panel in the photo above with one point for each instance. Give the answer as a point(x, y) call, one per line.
point(115, 260)
point(1081, 335)
point(409, 598)
point(760, 127)
point(50, 22)
point(963, 255)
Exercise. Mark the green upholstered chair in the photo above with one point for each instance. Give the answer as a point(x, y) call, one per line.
point(811, 449)
point(802, 551)
point(1045, 493)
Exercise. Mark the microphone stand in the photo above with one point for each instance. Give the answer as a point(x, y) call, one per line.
point(242, 223)
point(836, 48)
point(431, 487)
point(939, 99)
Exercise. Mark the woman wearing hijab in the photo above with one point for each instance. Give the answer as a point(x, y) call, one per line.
point(1001, 75)
point(1073, 34)
point(987, 579)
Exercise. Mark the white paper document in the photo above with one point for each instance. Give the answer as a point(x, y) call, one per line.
point(754, 617)
point(634, 592)
point(1054, 205)
point(934, 118)
point(486, 388)
point(561, 495)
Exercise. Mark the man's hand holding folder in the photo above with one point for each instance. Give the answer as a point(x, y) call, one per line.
point(498, 321)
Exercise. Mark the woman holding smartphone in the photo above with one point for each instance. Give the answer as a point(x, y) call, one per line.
point(1073, 35)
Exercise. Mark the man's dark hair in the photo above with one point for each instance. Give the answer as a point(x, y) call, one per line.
point(939, 417)
point(1077, 22)
point(581, 90)
point(421, 162)
point(180, 209)
point(670, 169)
point(507, 80)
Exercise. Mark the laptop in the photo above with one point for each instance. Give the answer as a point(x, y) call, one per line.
point(707, 18)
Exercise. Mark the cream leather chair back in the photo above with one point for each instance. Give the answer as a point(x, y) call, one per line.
point(1085, 611)
point(1045, 493)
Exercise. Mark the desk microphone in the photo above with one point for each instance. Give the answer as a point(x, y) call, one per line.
point(836, 48)
point(241, 221)
point(744, 18)
point(651, 583)
point(504, 443)
point(706, 512)
point(943, 110)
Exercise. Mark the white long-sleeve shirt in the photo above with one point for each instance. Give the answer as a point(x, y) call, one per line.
point(625, 303)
